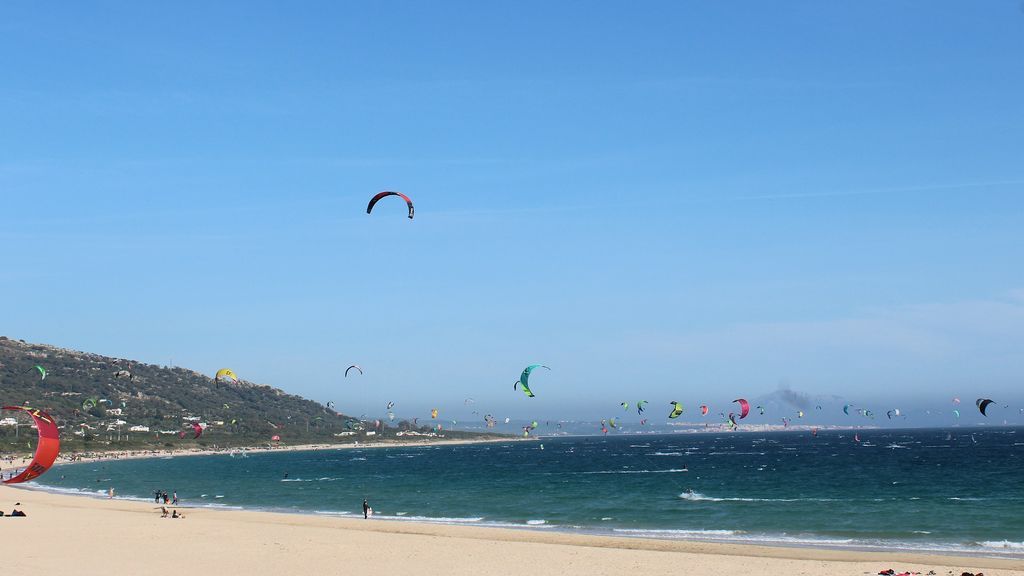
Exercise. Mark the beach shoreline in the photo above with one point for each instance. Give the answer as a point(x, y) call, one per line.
point(258, 539)
point(637, 535)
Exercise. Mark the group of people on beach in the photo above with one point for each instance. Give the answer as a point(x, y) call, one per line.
point(174, 513)
point(161, 496)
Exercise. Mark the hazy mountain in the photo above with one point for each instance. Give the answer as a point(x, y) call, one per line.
point(97, 400)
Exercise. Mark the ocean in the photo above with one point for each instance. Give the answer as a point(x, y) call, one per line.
point(949, 491)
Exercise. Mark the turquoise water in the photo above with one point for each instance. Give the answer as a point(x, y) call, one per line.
point(937, 490)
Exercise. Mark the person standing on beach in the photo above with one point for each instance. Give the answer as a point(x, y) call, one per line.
point(366, 509)
point(174, 499)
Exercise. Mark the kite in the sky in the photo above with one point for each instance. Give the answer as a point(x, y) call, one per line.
point(40, 369)
point(225, 374)
point(744, 407)
point(982, 404)
point(524, 378)
point(351, 367)
point(47, 448)
point(677, 409)
point(376, 198)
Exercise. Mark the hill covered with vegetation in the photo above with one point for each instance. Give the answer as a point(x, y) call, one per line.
point(104, 403)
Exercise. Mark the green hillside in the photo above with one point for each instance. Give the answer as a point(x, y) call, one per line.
point(97, 400)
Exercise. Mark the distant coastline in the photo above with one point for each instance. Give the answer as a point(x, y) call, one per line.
point(20, 461)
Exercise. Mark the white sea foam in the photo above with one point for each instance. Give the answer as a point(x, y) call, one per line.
point(636, 471)
point(698, 497)
point(221, 506)
point(680, 533)
point(1002, 544)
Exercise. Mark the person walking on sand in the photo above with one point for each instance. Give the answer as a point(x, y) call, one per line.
point(366, 509)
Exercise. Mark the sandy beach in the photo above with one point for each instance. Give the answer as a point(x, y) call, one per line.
point(84, 535)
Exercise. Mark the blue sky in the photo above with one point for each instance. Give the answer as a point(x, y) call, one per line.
point(676, 200)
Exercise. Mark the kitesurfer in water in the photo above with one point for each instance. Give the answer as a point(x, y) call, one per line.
point(366, 509)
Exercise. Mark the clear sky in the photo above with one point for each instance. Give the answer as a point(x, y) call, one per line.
point(671, 200)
